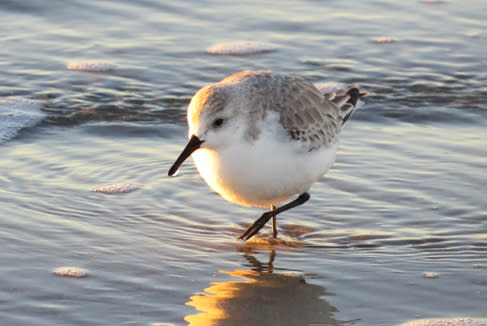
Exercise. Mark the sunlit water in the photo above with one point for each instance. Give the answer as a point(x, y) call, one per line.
point(406, 196)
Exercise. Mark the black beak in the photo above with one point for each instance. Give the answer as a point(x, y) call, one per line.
point(193, 144)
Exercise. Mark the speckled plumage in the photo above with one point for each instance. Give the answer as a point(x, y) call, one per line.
point(308, 116)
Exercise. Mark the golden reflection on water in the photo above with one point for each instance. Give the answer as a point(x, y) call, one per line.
point(262, 298)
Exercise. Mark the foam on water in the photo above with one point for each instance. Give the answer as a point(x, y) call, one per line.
point(447, 322)
point(114, 188)
point(71, 271)
point(92, 66)
point(16, 114)
point(431, 275)
point(433, 1)
point(385, 39)
point(241, 48)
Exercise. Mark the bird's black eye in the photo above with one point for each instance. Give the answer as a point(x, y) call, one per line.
point(217, 122)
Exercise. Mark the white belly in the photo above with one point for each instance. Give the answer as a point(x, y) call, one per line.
point(267, 171)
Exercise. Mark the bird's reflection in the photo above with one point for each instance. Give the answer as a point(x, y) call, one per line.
point(261, 298)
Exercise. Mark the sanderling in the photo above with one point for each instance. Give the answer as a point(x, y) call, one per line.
point(258, 138)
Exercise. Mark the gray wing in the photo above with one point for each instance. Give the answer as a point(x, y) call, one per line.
point(308, 115)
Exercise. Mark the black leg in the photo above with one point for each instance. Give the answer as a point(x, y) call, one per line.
point(264, 218)
point(274, 223)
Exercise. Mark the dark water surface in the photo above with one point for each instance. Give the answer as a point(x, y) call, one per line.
point(406, 196)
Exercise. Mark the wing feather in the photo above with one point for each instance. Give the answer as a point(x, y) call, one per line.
point(307, 115)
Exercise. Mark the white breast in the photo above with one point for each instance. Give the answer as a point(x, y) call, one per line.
point(266, 171)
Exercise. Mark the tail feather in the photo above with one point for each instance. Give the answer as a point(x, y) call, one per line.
point(340, 100)
point(347, 102)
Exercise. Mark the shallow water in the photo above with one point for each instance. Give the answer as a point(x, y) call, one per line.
point(405, 197)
